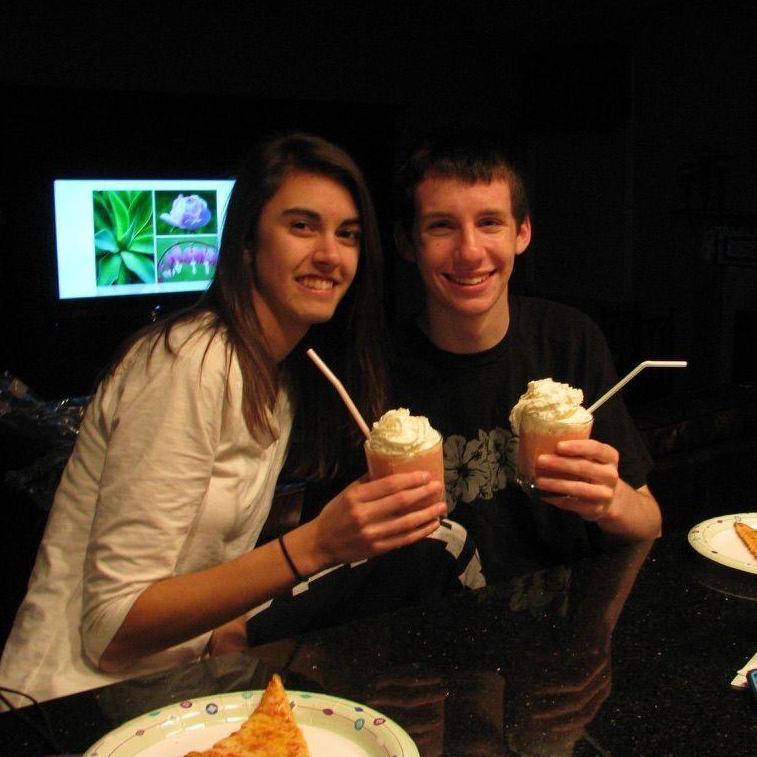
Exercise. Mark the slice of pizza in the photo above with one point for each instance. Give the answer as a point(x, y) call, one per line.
point(270, 731)
point(748, 536)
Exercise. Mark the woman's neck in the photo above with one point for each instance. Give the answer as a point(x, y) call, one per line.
point(280, 336)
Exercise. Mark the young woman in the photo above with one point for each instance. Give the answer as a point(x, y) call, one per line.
point(150, 545)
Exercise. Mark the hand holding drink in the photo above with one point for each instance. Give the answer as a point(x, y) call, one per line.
point(583, 476)
point(371, 517)
point(550, 412)
point(547, 413)
point(393, 508)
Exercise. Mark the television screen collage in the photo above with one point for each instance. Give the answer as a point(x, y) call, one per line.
point(123, 237)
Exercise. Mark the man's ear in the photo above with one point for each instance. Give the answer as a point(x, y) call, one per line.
point(404, 243)
point(523, 237)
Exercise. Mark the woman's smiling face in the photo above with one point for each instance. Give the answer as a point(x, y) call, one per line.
point(307, 253)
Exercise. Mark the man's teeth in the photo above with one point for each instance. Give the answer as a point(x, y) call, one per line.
point(471, 281)
point(314, 282)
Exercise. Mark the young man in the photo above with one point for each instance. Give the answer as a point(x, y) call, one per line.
point(470, 353)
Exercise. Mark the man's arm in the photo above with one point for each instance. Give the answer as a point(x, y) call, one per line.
point(633, 514)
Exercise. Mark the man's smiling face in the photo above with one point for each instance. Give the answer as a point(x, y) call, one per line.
point(466, 240)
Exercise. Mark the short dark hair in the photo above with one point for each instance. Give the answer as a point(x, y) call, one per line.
point(469, 158)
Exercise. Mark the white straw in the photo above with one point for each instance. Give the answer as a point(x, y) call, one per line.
point(311, 353)
point(638, 369)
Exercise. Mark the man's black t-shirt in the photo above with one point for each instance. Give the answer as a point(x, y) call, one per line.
point(468, 399)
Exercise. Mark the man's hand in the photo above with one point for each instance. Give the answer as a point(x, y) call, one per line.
point(584, 478)
point(583, 475)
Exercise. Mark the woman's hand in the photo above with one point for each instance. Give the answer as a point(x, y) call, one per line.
point(369, 518)
point(228, 638)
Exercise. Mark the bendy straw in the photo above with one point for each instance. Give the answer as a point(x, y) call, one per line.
point(311, 353)
point(638, 369)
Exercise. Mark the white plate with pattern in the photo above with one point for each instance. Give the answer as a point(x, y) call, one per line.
point(333, 727)
point(717, 540)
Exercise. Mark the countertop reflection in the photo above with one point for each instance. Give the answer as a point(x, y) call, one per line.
point(626, 654)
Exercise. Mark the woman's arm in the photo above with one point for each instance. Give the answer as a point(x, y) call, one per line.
point(366, 519)
point(159, 422)
point(171, 496)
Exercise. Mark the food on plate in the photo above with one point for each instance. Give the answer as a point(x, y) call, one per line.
point(270, 731)
point(748, 535)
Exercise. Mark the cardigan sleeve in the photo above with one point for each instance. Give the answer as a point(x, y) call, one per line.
point(161, 419)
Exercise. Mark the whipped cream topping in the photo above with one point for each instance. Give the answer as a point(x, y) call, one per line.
point(550, 400)
point(398, 433)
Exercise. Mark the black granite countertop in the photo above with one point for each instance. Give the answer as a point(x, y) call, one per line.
point(627, 654)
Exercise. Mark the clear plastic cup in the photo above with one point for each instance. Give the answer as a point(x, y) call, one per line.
point(431, 460)
point(540, 437)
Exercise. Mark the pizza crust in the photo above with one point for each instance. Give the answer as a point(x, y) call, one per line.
point(270, 731)
point(748, 535)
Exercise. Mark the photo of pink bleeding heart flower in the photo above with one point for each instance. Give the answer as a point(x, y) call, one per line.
point(187, 261)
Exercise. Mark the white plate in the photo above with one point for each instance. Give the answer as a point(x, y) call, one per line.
point(717, 539)
point(333, 727)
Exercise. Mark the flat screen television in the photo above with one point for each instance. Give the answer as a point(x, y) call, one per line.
point(117, 237)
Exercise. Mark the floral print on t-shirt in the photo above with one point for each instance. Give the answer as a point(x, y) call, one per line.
point(478, 468)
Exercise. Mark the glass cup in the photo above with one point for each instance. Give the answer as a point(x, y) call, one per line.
point(431, 460)
point(540, 437)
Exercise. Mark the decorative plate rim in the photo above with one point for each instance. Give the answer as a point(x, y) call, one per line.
point(700, 535)
point(385, 734)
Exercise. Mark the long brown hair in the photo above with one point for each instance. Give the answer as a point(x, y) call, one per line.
point(351, 342)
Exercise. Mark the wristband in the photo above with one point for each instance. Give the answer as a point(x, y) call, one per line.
point(289, 560)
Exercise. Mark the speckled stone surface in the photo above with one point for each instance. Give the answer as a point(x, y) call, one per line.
point(628, 654)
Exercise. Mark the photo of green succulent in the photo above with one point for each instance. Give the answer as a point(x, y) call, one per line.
point(124, 241)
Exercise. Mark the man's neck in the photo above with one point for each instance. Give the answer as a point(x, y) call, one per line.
point(462, 335)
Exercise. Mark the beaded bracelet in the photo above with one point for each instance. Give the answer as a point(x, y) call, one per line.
point(288, 558)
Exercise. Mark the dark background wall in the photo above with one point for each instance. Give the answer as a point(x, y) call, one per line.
point(635, 121)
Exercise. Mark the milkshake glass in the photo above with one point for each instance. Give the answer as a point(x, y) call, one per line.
point(549, 412)
point(402, 443)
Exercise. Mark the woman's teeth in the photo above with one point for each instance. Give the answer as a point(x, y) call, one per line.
point(314, 282)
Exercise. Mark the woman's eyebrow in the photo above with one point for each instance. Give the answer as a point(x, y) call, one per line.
point(302, 212)
point(315, 216)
